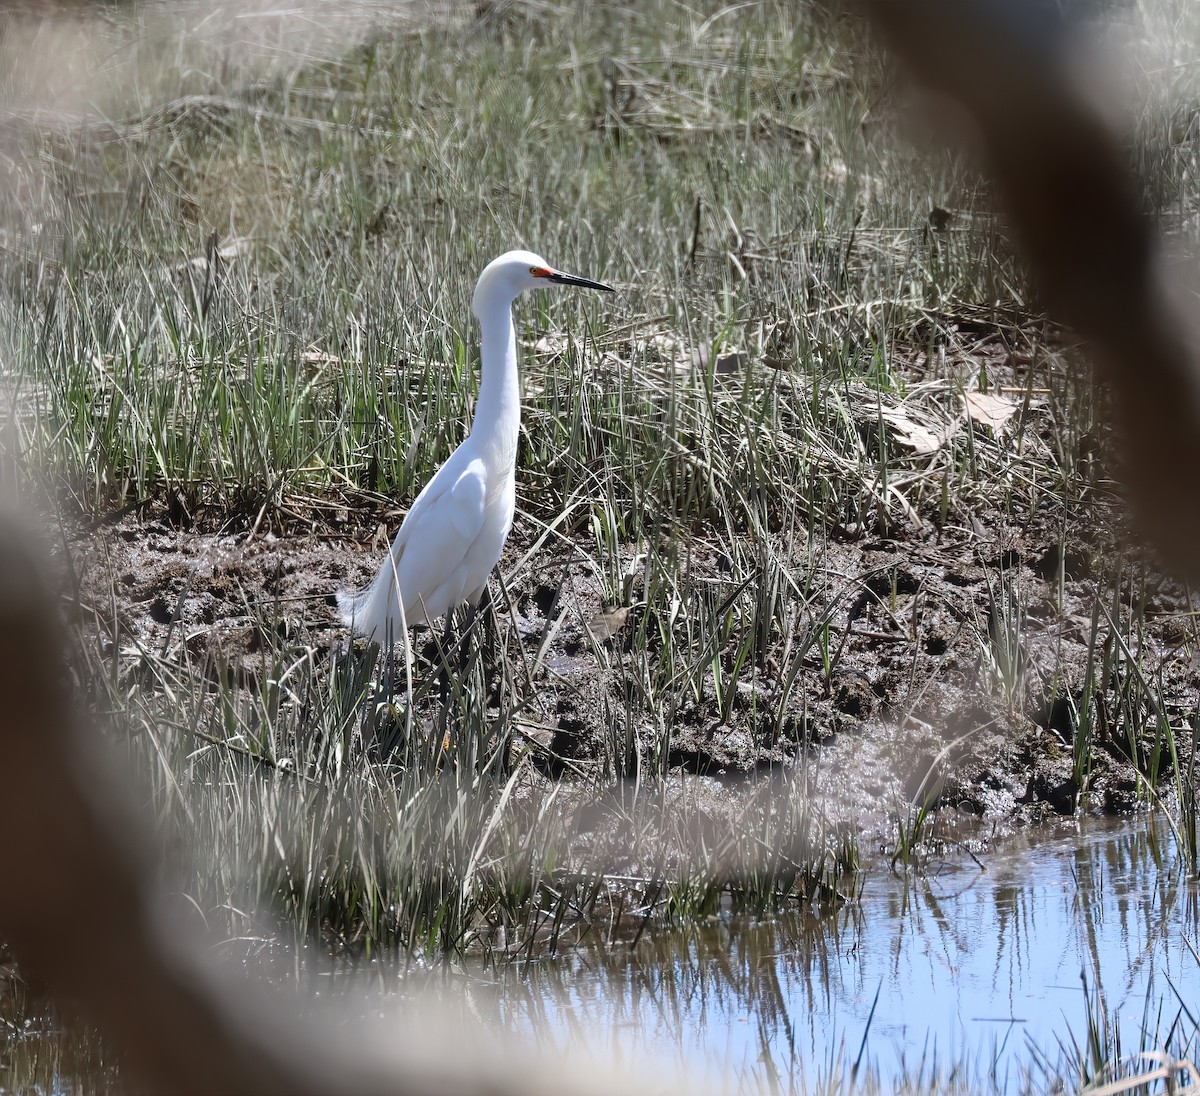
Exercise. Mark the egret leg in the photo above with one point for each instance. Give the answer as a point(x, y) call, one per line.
point(488, 610)
point(467, 633)
point(489, 655)
point(463, 661)
point(447, 640)
point(444, 676)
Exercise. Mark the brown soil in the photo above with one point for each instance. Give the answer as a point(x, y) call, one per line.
point(908, 712)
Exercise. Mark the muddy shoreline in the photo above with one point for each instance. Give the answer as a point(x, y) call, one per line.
point(904, 698)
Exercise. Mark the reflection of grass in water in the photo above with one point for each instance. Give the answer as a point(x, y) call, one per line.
point(771, 973)
point(39, 1051)
point(1097, 1062)
point(779, 977)
point(1095, 1057)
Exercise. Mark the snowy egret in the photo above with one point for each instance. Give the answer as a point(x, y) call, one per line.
point(453, 536)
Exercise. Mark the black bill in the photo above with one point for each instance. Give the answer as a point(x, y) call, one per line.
point(570, 279)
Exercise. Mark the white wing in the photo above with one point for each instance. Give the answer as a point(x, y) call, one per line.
point(428, 563)
point(430, 552)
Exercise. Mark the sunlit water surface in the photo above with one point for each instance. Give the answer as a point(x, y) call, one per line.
point(974, 967)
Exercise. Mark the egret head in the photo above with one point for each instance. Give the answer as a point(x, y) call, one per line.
point(515, 271)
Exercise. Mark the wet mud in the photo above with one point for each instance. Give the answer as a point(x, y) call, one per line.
point(948, 668)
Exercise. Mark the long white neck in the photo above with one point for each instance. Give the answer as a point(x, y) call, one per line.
point(498, 412)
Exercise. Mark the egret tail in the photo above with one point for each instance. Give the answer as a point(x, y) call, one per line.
point(374, 612)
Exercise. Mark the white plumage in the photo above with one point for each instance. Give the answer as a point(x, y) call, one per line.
point(453, 535)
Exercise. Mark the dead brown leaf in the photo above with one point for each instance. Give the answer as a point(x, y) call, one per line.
point(921, 440)
point(608, 622)
point(988, 410)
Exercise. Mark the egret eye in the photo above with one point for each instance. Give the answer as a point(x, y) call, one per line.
point(540, 271)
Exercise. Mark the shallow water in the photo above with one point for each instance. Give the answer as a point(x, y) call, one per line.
point(970, 971)
point(976, 966)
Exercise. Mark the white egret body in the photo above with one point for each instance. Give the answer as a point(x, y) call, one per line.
point(453, 535)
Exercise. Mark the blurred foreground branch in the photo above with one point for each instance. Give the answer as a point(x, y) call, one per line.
point(1075, 209)
point(76, 910)
point(72, 904)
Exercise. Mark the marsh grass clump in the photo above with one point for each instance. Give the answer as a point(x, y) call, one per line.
point(308, 792)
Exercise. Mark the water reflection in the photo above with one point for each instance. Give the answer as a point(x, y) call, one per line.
point(41, 1054)
point(982, 969)
point(968, 973)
